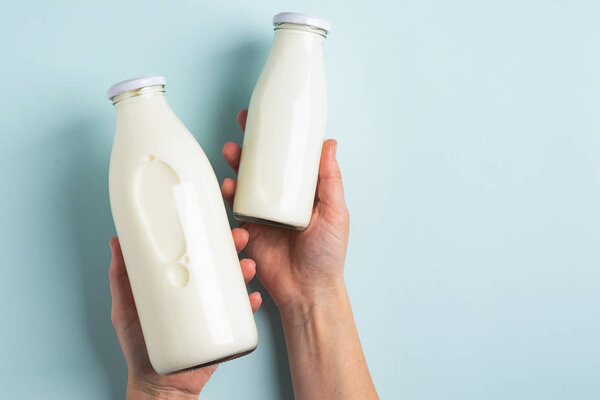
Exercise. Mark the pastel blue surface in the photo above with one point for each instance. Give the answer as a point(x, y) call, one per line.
point(469, 135)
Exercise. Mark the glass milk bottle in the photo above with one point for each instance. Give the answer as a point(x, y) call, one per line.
point(284, 131)
point(169, 215)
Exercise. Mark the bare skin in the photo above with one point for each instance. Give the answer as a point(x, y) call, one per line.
point(304, 274)
point(143, 382)
point(298, 266)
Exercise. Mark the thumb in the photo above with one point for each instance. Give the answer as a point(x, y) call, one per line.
point(330, 190)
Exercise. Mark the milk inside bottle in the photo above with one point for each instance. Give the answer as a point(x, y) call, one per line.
point(285, 127)
point(178, 248)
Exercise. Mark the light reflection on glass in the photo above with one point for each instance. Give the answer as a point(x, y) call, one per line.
point(202, 263)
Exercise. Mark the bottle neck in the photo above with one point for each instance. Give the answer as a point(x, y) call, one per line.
point(295, 41)
point(147, 91)
point(148, 103)
point(300, 27)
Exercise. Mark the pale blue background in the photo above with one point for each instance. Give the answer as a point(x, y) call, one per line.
point(469, 135)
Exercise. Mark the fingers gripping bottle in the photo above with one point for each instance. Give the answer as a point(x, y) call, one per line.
point(284, 131)
point(169, 215)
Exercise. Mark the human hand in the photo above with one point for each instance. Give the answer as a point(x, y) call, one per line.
point(143, 381)
point(300, 267)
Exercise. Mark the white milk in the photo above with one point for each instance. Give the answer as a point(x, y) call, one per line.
point(285, 127)
point(181, 260)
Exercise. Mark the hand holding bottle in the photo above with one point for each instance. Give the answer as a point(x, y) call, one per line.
point(143, 381)
point(300, 267)
point(173, 230)
point(304, 273)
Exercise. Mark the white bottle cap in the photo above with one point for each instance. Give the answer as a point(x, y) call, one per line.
point(135, 83)
point(303, 19)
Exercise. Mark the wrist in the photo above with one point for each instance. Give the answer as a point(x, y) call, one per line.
point(305, 307)
point(141, 390)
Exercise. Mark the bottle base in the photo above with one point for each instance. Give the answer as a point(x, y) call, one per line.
point(220, 360)
point(256, 220)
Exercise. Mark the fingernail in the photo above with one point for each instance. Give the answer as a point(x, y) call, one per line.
point(334, 150)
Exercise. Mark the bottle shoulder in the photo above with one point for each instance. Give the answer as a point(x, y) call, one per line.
point(149, 131)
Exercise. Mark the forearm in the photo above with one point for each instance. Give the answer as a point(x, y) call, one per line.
point(326, 358)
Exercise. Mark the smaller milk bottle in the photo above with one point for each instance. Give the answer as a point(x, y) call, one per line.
point(181, 260)
point(285, 127)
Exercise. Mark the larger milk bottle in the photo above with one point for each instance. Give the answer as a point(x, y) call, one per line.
point(284, 132)
point(181, 260)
